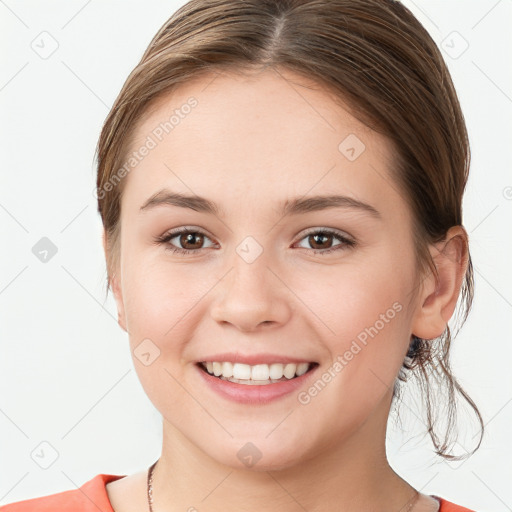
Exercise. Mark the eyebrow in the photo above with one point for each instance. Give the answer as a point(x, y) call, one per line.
point(299, 205)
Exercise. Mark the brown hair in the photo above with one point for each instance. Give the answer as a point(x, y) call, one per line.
point(381, 62)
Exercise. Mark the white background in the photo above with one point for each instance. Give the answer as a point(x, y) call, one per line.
point(66, 374)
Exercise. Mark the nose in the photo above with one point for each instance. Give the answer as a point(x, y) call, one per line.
point(252, 295)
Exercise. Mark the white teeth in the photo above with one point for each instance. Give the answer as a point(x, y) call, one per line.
point(227, 369)
point(276, 371)
point(260, 372)
point(241, 371)
point(217, 369)
point(289, 370)
point(302, 368)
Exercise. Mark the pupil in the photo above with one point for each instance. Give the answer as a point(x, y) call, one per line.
point(322, 236)
point(189, 238)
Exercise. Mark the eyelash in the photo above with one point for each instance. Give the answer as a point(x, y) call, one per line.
point(347, 243)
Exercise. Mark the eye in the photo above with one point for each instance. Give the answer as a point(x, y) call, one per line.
point(190, 238)
point(320, 237)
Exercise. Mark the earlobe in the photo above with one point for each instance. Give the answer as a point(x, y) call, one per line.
point(439, 295)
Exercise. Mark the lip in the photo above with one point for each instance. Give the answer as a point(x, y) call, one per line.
point(254, 394)
point(253, 359)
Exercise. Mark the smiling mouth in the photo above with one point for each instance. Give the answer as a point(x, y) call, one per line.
point(259, 374)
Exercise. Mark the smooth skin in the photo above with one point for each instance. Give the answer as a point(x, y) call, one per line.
point(251, 143)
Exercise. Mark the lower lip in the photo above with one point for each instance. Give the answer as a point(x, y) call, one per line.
point(254, 394)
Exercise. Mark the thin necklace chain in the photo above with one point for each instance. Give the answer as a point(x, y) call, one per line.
point(150, 485)
point(150, 491)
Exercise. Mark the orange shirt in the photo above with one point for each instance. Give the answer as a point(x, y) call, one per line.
point(92, 497)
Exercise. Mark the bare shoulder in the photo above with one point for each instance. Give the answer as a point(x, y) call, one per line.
point(128, 494)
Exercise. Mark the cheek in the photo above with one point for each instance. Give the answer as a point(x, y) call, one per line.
point(348, 298)
point(161, 303)
point(164, 301)
point(361, 311)
point(367, 318)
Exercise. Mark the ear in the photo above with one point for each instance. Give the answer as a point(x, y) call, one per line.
point(438, 297)
point(115, 286)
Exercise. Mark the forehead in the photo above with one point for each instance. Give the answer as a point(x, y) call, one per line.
point(245, 139)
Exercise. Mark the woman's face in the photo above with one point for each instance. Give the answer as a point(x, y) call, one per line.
point(259, 283)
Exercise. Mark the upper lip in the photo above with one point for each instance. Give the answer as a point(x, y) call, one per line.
point(253, 359)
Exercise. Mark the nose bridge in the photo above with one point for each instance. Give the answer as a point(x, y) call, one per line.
point(250, 267)
point(251, 293)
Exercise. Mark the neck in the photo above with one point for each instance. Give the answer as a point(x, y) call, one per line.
point(351, 476)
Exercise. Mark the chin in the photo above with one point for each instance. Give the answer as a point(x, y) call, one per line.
point(259, 454)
